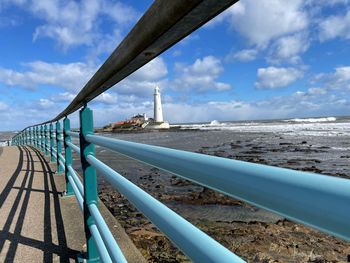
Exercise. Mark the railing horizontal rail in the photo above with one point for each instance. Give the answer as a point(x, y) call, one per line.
point(197, 245)
point(111, 245)
point(62, 164)
point(73, 134)
point(102, 250)
point(73, 147)
point(61, 157)
point(77, 194)
point(317, 200)
point(76, 179)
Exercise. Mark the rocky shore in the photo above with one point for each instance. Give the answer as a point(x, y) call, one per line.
point(256, 235)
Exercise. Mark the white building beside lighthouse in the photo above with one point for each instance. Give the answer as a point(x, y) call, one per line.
point(158, 121)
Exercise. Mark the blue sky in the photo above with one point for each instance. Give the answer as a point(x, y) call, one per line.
point(257, 60)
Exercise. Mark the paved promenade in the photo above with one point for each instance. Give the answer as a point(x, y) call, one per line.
point(36, 223)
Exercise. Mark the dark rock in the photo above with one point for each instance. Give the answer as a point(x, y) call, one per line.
point(285, 143)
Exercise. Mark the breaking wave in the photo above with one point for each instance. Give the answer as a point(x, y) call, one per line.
point(325, 119)
point(214, 123)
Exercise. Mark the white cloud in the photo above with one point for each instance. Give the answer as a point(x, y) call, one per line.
point(142, 82)
point(153, 70)
point(201, 76)
point(317, 91)
point(277, 29)
point(73, 76)
point(106, 98)
point(244, 55)
point(264, 20)
point(70, 76)
point(73, 23)
point(63, 97)
point(45, 103)
point(335, 26)
point(289, 48)
point(272, 77)
point(339, 79)
point(3, 106)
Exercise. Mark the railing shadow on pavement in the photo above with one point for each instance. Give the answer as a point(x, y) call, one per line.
point(20, 208)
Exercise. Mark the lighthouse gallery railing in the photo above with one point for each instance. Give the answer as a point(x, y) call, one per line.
point(320, 201)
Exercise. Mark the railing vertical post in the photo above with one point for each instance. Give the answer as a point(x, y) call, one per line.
point(30, 135)
point(90, 182)
point(52, 144)
point(39, 137)
point(36, 137)
point(42, 138)
point(58, 147)
point(46, 140)
point(68, 154)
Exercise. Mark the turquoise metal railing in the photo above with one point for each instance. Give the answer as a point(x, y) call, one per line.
point(316, 200)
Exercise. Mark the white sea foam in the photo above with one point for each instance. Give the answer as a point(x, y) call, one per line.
point(311, 128)
point(3, 144)
point(325, 119)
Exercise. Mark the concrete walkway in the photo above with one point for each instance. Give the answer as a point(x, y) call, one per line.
point(36, 223)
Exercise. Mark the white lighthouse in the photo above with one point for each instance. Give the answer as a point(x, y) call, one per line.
point(158, 121)
point(158, 112)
